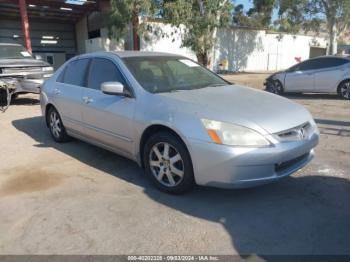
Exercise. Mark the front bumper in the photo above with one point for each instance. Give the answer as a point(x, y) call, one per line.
point(29, 85)
point(229, 167)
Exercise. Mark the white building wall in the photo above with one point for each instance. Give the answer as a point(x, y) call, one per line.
point(242, 50)
point(249, 50)
point(81, 33)
point(103, 43)
point(170, 42)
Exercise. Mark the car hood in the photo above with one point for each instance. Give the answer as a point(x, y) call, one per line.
point(31, 62)
point(275, 74)
point(240, 105)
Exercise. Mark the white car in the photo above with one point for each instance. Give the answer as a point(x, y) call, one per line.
point(326, 74)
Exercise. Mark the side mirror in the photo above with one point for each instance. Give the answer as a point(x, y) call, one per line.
point(115, 88)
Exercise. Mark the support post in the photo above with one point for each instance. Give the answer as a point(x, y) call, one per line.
point(25, 25)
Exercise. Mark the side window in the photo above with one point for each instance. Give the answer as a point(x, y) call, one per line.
point(103, 70)
point(60, 78)
point(302, 66)
point(75, 72)
point(333, 62)
point(309, 65)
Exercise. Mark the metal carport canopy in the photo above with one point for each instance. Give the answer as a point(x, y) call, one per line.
point(41, 10)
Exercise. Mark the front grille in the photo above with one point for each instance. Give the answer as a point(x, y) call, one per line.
point(300, 132)
point(287, 164)
point(15, 70)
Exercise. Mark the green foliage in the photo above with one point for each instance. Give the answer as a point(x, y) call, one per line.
point(312, 14)
point(125, 13)
point(291, 15)
point(262, 12)
point(200, 19)
point(259, 16)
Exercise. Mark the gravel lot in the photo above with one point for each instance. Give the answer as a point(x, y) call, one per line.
point(75, 198)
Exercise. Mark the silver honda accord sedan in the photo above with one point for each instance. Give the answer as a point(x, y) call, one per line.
point(180, 122)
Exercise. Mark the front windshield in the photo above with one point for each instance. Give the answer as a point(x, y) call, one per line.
point(13, 52)
point(158, 74)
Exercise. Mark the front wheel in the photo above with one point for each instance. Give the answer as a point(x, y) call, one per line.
point(168, 163)
point(275, 87)
point(344, 90)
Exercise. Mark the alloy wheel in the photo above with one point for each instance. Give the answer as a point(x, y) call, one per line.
point(166, 164)
point(276, 87)
point(55, 124)
point(345, 90)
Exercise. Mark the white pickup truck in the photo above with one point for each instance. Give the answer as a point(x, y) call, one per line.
point(19, 66)
point(20, 73)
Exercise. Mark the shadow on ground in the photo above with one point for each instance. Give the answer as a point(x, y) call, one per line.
point(19, 101)
point(299, 215)
point(312, 96)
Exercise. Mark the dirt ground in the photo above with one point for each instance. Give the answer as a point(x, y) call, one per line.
point(75, 198)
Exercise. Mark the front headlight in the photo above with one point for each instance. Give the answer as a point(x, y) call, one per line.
point(234, 135)
point(47, 68)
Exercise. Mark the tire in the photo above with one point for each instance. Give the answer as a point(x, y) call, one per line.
point(344, 89)
point(170, 172)
point(275, 87)
point(14, 96)
point(56, 127)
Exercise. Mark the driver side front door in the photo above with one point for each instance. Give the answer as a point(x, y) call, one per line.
point(108, 119)
point(300, 78)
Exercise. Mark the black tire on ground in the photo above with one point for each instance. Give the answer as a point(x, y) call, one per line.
point(182, 183)
point(344, 89)
point(14, 96)
point(56, 127)
point(275, 87)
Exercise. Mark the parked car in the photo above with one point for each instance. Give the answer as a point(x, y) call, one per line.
point(182, 123)
point(326, 74)
point(16, 63)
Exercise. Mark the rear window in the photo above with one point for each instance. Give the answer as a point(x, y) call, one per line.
point(333, 61)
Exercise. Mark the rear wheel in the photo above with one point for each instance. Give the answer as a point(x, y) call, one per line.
point(344, 89)
point(168, 163)
point(275, 87)
point(56, 127)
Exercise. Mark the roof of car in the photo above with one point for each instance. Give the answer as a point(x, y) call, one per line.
point(123, 54)
point(333, 56)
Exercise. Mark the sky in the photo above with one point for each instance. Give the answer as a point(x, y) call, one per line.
point(247, 3)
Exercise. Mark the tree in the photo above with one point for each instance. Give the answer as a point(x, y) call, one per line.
point(126, 12)
point(201, 19)
point(311, 14)
point(337, 15)
point(240, 18)
point(261, 12)
point(291, 15)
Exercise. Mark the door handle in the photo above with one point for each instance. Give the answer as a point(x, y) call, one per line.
point(57, 91)
point(87, 99)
